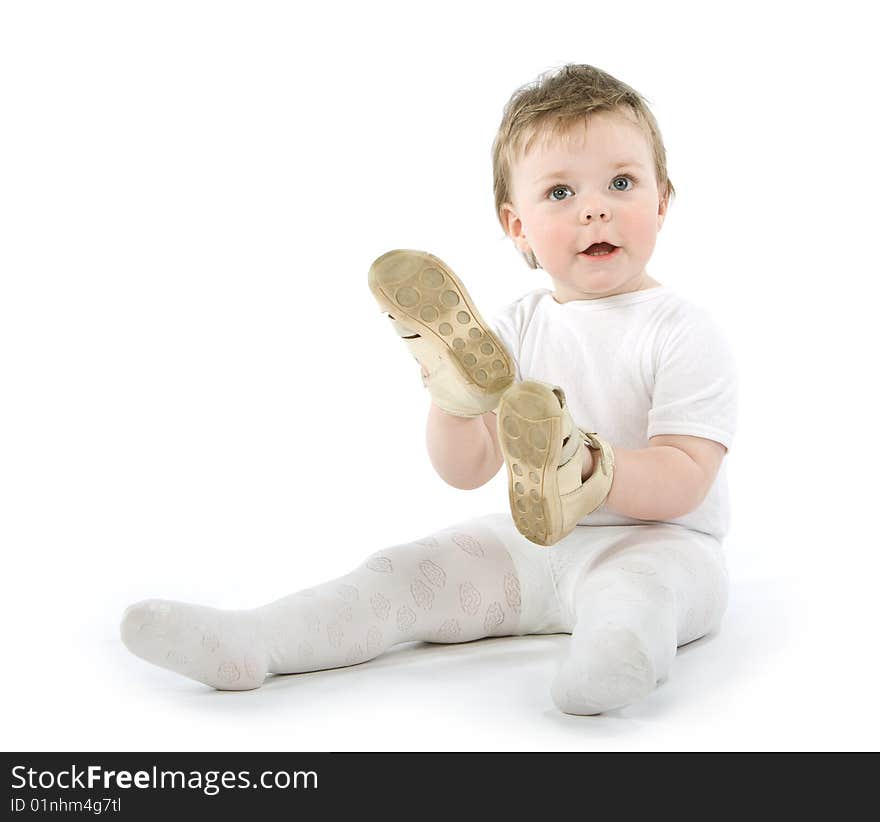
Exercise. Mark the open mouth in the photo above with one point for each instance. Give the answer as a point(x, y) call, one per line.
point(600, 250)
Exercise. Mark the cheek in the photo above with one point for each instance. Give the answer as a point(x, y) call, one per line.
point(550, 232)
point(639, 226)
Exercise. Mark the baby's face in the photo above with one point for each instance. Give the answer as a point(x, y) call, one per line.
point(596, 184)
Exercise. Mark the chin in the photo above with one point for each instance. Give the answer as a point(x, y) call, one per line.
point(595, 286)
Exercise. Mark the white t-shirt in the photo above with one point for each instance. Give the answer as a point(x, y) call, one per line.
point(632, 366)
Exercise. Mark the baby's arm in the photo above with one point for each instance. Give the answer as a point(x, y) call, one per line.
point(667, 480)
point(463, 450)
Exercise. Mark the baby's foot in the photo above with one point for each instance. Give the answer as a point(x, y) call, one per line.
point(223, 649)
point(605, 669)
point(465, 367)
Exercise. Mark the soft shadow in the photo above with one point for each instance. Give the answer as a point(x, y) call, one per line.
point(753, 631)
point(452, 656)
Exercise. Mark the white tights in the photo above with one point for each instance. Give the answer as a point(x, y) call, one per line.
point(628, 595)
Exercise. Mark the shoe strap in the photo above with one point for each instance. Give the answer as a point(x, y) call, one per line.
point(571, 433)
point(603, 467)
point(581, 498)
point(401, 330)
point(570, 446)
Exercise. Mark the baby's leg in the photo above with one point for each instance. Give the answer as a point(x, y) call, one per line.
point(455, 586)
point(657, 588)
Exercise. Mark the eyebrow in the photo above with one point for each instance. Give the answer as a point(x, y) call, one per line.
point(621, 164)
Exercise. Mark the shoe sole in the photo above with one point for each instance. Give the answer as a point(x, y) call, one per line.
point(420, 290)
point(530, 435)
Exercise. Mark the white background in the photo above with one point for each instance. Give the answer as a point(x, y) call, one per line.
point(201, 400)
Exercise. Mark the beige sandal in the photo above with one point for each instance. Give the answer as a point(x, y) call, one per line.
point(544, 454)
point(464, 365)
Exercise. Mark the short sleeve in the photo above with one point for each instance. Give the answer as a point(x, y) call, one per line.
point(695, 382)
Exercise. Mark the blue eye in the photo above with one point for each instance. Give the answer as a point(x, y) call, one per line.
point(555, 189)
point(623, 177)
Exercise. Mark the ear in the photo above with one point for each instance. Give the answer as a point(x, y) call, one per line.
point(513, 227)
point(662, 209)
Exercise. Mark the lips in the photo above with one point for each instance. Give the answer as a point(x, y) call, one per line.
point(600, 248)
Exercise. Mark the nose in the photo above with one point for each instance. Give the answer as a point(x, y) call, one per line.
point(596, 211)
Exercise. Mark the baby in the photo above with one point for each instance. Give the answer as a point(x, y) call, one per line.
point(610, 399)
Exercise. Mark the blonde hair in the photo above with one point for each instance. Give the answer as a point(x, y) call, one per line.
point(549, 106)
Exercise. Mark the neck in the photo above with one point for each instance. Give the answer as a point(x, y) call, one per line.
point(641, 283)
